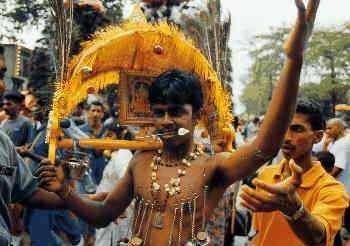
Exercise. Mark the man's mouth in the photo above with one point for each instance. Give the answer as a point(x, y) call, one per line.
point(287, 147)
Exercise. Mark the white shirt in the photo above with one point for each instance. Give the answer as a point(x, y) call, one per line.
point(341, 151)
point(252, 130)
point(114, 170)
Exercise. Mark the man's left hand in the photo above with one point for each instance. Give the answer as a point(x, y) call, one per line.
point(270, 197)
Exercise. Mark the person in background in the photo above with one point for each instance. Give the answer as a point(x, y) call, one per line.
point(327, 160)
point(118, 230)
point(94, 129)
point(284, 202)
point(46, 227)
point(87, 184)
point(21, 132)
point(19, 128)
point(252, 129)
point(337, 142)
point(239, 139)
point(2, 83)
point(78, 115)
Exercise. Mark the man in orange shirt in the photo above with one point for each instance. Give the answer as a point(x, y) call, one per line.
point(296, 202)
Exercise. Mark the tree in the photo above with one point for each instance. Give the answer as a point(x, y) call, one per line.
point(268, 59)
point(86, 22)
point(329, 55)
point(327, 61)
point(204, 22)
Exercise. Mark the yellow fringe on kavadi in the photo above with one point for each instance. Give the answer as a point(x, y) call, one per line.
point(131, 47)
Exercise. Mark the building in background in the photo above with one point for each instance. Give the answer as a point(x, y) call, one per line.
point(17, 60)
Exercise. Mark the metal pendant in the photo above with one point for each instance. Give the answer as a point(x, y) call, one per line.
point(135, 241)
point(158, 220)
point(202, 238)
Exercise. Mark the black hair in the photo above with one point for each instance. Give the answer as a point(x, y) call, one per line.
point(235, 122)
point(14, 96)
point(81, 105)
point(312, 109)
point(120, 132)
point(96, 103)
point(327, 160)
point(177, 87)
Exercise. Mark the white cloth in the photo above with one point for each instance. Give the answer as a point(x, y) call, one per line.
point(341, 151)
point(239, 139)
point(198, 138)
point(319, 146)
point(252, 130)
point(114, 170)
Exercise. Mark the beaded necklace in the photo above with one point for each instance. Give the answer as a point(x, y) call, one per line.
point(173, 187)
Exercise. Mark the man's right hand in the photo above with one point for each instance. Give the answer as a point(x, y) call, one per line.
point(326, 142)
point(303, 28)
point(51, 177)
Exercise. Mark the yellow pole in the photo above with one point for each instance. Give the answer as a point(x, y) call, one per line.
point(103, 144)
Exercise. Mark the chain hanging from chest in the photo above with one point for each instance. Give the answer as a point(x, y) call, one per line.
point(173, 187)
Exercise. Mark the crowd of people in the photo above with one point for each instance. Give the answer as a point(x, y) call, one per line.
point(286, 182)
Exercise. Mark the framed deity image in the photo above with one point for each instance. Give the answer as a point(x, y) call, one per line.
point(133, 95)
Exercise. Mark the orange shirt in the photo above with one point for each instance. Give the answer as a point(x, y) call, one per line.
point(323, 196)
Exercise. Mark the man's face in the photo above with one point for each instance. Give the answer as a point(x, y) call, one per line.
point(333, 130)
point(95, 113)
point(299, 138)
point(110, 135)
point(170, 118)
point(11, 108)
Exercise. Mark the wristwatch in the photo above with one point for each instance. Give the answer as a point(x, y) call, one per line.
point(300, 212)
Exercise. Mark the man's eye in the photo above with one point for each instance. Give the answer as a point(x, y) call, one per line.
point(296, 129)
point(175, 112)
point(158, 113)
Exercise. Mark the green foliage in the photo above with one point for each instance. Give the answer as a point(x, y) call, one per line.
point(208, 28)
point(330, 49)
point(24, 13)
point(327, 61)
point(267, 63)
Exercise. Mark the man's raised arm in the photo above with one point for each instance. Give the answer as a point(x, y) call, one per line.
point(281, 109)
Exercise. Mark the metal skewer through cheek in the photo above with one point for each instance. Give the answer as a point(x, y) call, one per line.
point(178, 132)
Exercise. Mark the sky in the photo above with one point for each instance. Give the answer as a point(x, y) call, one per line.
point(251, 17)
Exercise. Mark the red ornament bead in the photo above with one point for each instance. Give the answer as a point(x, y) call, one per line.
point(158, 49)
point(91, 90)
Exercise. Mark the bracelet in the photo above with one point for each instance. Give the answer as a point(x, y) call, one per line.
point(297, 215)
point(65, 192)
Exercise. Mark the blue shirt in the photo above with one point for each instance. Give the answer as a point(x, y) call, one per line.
point(42, 224)
point(20, 130)
point(16, 184)
point(97, 160)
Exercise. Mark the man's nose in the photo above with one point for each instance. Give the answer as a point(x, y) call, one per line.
point(167, 119)
point(287, 136)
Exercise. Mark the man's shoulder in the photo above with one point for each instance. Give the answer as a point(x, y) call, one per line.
point(6, 145)
point(5, 140)
point(23, 120)
point(142, 156)
point(328, 184)
point(342, 142)
point(328, 180)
